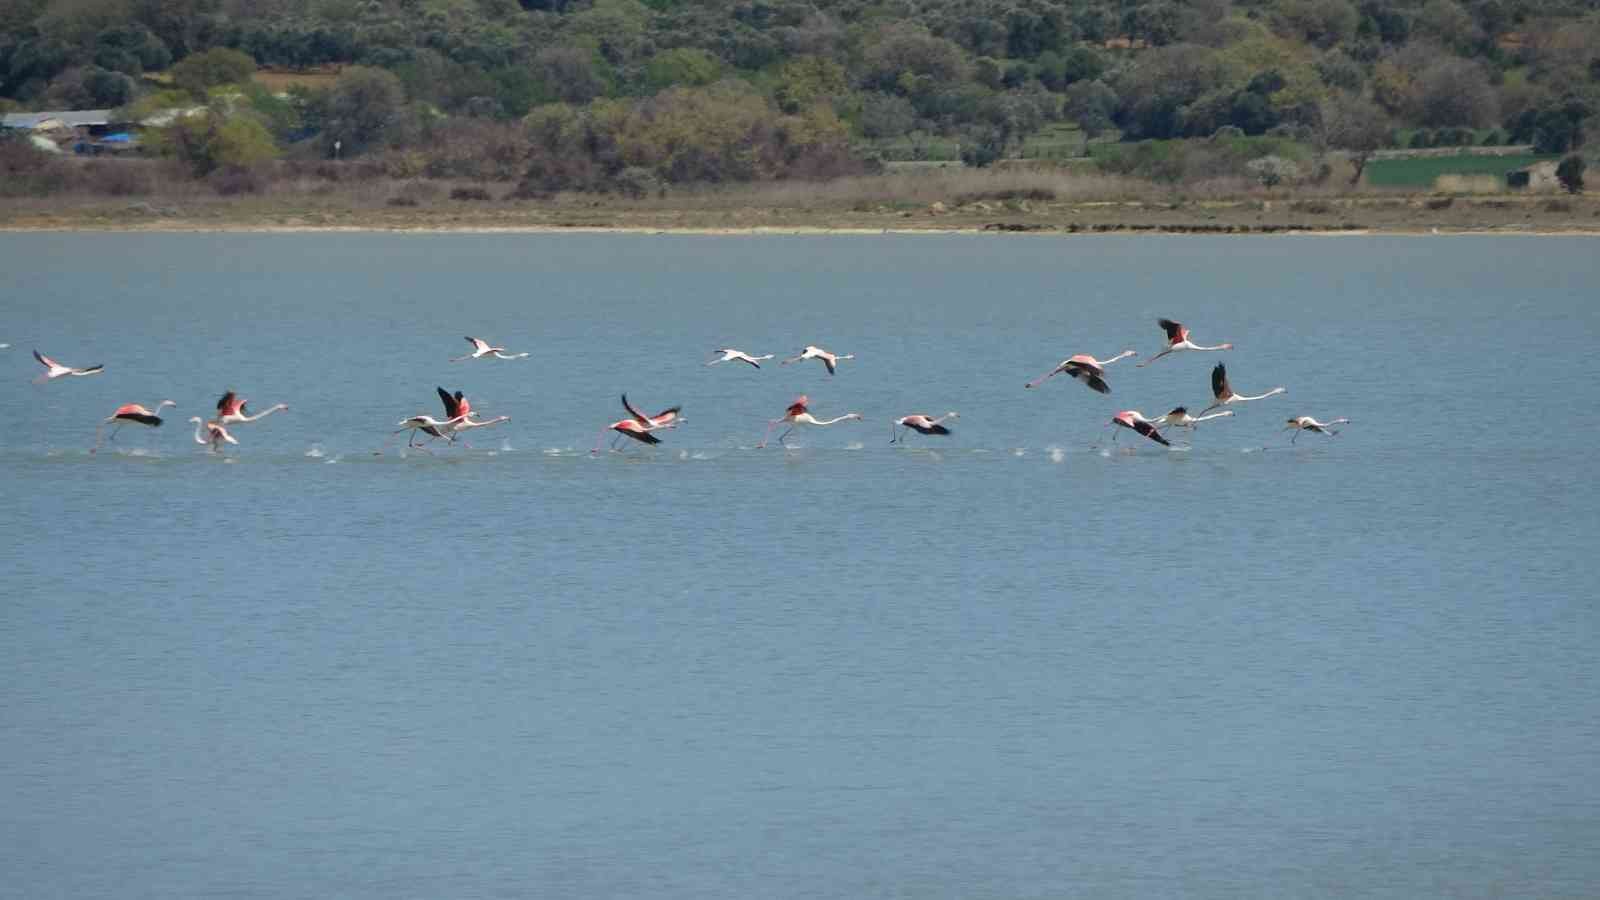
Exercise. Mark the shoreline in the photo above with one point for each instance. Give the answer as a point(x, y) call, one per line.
point(1175, 230)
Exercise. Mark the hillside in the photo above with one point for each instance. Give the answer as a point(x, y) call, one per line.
point(630, 96)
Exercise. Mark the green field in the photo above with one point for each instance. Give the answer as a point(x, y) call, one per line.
point(1421, 172)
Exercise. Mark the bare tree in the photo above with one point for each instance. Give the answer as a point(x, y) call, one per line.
point(1353, 124)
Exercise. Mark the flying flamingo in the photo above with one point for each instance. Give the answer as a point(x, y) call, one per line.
point(131, 413)
point(1224, 393)
point(831, 360)
point(1132, 418)
point(921, 424)
point(729, 354)
point(799, 413)
point(638, 425)
point(231, 411)
point(1086, 369)
point(468, 423)
point(1178, 339)
point(481, 348)
point(1179, 418)
point(213, 433)
point(54, 370)
point(1306, 423)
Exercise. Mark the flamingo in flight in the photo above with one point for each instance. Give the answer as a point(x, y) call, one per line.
point(1179, 418)
point(729, 354)
point(54, 370)
point(231, 411)
point(1132, 418)
point(799, 413)
point(482, 348)
point(1224, 392)
point(1306, 423)
point(211, 433)
point(1084, 368)
point(921, 424)
point(638, 425)
point(831, 360)
point(1178, 339)
point(131, 413)
point(456, 410)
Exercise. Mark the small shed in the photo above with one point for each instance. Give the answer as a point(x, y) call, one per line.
point(1540, 176)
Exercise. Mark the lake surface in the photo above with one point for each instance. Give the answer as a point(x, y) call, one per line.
point(1018, 662)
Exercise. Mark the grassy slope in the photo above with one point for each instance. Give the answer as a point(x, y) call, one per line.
point(1421, 172)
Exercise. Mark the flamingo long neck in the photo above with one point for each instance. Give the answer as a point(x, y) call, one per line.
point(1273, 392)
point(261, 415)
point(948, 415)
point(200, 432)
point(1194, 346)
point(1218, 415)
point(1123, 355)
point(816, 421)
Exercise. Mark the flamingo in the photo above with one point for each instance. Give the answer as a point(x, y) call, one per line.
point(831, 360)
point(131, 413)
point(1306, 423)
point(54, 370)
point(1085, 368)
point(729, 354)
point(231, 411)
point(921, 424)
point(481, 348)
point(427, 424)
point(799, 413)
point(1178, 339)
point(638, 425)
point(1179, 418)
point(1132, 418)
point(1224, 393)
point(210, 433)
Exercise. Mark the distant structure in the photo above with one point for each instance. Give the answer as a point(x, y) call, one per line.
point(1540, 176)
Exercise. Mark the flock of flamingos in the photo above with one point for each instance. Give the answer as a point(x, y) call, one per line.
point(458, 418)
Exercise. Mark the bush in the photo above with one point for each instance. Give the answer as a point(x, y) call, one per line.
point(1570, 174)
point(470, 194)
point(26, 171)
point(119, 178)
point(1421, 139)
point(236, 180)
point(1494, 138)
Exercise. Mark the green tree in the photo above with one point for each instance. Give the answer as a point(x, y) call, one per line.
point(213, 68)
point(361, 107)
point(804, 80)
point(685, 66)
point(212, 140)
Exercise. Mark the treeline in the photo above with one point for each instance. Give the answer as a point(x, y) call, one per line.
point(596, 93)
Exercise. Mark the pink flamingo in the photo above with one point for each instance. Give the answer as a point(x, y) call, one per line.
point(213, 434)
point(831, 360)
point(482, 348)
point(231, 411)
point(1179, 418)
point(639, 426)
point(1178, 339)
point(1306, 423)
point(1084, 368)
point(921, 424)
point(130, 413)
point(799, 413)
point(1224, 393)
point(54, 370)
point(1132, 418)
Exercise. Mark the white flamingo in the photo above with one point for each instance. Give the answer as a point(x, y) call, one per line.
point(210, 433)
point(1132, 418)
point(799, 413)
point(482, 348)
point(1179, 418)
point(130, 414)
point(831, 360)
point(729, 355)
point(54, 370)
point(468, 423)
point(1178, 339)
point(921, 424)
point(1084, 368)
point(1225, 394)
point(231, 410)
point(428, 425)
point(1306, 423)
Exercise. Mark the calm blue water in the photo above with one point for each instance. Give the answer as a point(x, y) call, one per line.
point(1018, 662)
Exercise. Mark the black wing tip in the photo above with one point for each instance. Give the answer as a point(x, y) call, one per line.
point(938, 429)
point(1100, 385)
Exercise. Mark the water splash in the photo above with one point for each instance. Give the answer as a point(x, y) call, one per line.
point(1057, 454)
point(315, 452)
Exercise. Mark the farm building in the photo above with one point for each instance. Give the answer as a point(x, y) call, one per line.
point(80, 130)
point(1540, 176)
